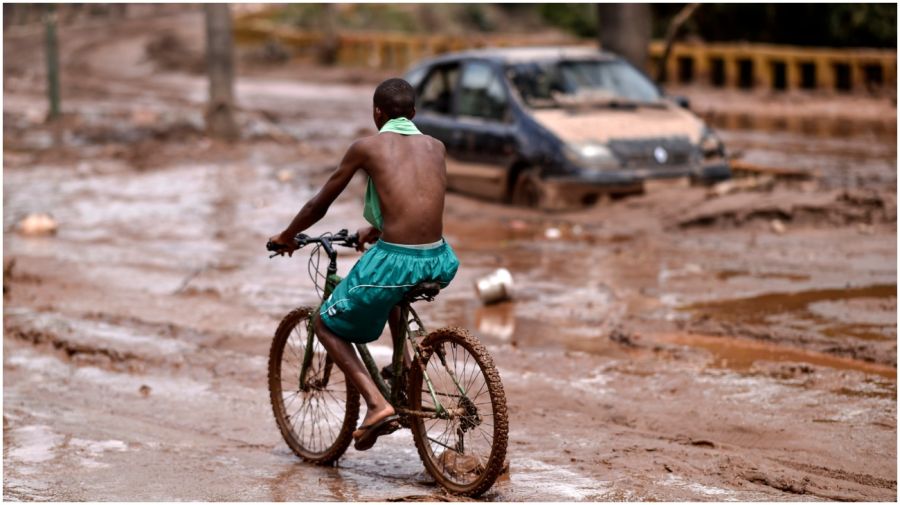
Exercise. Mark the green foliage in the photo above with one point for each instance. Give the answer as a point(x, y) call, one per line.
point(475, 15)
point(839, 25)
point(579, 19)
point(379, 17)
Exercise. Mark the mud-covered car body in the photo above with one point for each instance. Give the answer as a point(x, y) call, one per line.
point(556, 126)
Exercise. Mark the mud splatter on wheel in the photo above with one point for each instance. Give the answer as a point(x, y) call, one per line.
point(463, 448)
point(317, 417)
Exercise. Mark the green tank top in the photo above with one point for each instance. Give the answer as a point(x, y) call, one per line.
point(372, 207)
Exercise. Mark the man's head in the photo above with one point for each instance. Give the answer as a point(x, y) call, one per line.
point(393, 98)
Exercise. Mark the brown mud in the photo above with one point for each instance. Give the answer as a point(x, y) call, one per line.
point(649, 353)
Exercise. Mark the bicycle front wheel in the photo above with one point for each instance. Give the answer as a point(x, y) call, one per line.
point(316, 415)
point(463, 440)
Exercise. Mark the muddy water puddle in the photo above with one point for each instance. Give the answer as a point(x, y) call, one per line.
point(742, 354)
point(867, 313)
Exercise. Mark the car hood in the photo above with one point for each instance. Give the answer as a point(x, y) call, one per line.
point(603, 125)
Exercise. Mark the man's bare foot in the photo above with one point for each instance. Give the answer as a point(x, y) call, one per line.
point(373, 417)
point(380, 422)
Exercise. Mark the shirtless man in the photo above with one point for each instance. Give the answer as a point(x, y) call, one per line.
point(405, 206)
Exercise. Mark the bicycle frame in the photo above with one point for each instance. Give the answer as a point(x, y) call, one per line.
point(392, 391)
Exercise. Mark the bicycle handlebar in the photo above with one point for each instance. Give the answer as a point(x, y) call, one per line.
point(341, 238)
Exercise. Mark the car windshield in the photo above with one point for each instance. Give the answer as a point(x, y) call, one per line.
point(576, 82)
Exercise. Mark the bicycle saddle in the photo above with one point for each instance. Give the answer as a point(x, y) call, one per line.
point(423, 291)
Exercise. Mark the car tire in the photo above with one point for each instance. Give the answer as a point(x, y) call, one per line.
point(528, 190)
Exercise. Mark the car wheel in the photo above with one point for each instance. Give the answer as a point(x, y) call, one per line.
point(528, 190)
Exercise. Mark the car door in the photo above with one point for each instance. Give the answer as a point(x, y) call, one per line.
point(482, 143)
point(434, 104)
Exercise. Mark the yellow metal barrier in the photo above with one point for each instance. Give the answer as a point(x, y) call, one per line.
point(779, 67)
point(742, 66)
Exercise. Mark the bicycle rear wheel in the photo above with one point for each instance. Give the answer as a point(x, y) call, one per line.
point(464, 450)
point(316, 419)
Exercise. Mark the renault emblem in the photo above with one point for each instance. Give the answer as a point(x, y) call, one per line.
point(661, 155)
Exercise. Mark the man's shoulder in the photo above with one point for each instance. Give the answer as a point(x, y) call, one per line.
point(373, 142)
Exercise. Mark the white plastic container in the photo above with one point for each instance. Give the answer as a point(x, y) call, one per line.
point(495, 287)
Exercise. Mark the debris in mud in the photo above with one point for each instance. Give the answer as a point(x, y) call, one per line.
point(495, 287)
point(827, 208)
point(169, 52)
point(739, 167)
point(144, 390)
point(552, 233)
point(761, 183)
point(778, 226)
point(623, 337)
point(38, 224)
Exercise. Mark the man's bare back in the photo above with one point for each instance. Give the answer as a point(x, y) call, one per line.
point(410, 176)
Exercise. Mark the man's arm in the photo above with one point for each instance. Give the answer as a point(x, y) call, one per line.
point(317, 206)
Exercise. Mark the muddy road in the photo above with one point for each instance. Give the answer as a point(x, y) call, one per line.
point(678, 345)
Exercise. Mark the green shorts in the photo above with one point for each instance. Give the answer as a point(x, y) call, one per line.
point(359, 306)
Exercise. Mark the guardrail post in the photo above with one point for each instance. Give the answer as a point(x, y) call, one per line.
point(825, 78)
point(731, 69)
point(857, 75)
point(701, 66)
point(762, 71)
point(791, 74)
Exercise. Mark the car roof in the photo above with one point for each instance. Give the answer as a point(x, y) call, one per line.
point(526, 54)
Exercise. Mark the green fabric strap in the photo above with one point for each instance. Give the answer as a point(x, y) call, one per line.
point(372, 207)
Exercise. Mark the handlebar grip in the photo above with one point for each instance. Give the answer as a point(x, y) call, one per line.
point(272, 246)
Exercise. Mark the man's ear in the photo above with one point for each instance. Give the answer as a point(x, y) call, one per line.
point(412, 114)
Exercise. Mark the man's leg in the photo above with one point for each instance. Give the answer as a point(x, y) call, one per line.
point(343, 354)
point(394, 323)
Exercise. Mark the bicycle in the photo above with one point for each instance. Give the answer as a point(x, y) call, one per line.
point(443, 385)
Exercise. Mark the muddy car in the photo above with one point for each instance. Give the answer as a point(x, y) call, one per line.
point(553, 127)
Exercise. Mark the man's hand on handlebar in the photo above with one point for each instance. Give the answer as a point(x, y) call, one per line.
point(284, 244)
point(367, 235)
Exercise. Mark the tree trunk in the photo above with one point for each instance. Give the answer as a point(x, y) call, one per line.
point(677, 22)
point(329, 47)
point(625, 30)
point(220, 67)
point(51, 48)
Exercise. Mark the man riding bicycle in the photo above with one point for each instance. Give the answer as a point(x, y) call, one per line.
point(404, 205)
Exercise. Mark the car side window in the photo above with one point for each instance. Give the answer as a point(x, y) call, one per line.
point(437, 92)
point(481, 93)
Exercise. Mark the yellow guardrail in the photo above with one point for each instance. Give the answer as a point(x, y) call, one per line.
point(779, 67)
point(742, 66)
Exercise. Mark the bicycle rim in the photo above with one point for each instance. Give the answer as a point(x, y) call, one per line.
point(464, 453)
point(316, 420)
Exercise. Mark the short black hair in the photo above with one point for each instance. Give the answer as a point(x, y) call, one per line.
point(396, 98)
